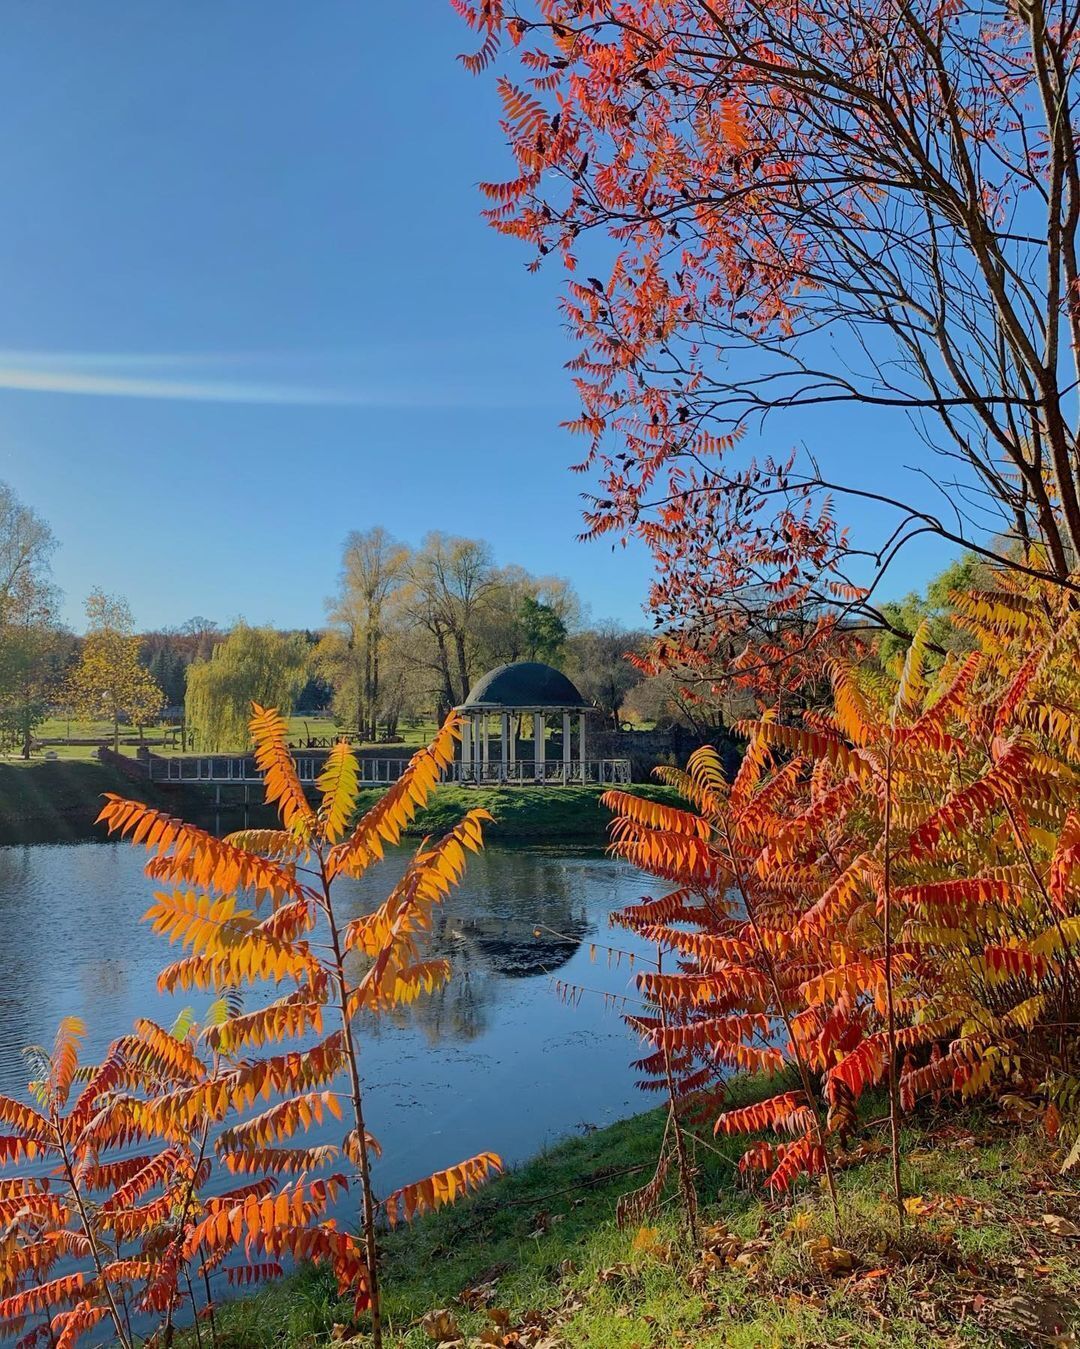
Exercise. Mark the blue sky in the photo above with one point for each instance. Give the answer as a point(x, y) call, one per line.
point(249, 305)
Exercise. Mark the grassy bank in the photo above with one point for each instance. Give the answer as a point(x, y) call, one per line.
point(541, 814)
point(980, 1263)
point(58, 801)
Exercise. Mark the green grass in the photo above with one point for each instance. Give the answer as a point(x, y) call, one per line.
point(160, 741)
point(543, 814)
point(58, 801)
point(55, 802)
point(976, 1267)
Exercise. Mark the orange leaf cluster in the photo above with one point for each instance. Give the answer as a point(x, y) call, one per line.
point(886, 894)
point(143, 1230)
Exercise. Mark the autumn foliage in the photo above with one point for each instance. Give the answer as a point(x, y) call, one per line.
point(887, 893)
point(763, 210)
point(181, 1159)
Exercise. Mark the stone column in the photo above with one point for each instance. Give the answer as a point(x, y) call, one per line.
point(505, 747)
point(466, 748)
point(486, 766)
point(538, 744)
point(581, 743)
point(565, 748)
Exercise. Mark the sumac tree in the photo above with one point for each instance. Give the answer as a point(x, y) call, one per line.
point(128, 1204)
point(795, 206)
point(886, 893)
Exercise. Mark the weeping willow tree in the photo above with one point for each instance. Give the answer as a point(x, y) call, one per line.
point(252, 665)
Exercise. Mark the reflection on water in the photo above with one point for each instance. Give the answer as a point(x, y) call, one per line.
point(493, 1061)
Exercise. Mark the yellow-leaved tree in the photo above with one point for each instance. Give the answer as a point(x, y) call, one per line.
point(259, 906)
point(110, 683)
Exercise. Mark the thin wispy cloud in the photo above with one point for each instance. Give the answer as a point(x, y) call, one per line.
point(211, 378)
point(62, 381)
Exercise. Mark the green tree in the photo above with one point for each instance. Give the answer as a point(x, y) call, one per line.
point(450, 587)
point(31, 660)
point(256, 665)
point(965, 574)
point(543, 632)
point(26, 543)
point(29, 632)
point(109, 682)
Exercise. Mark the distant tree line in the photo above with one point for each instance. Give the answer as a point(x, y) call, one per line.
point(408, 631)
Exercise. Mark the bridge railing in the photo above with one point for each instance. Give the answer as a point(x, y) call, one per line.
point(240, 768)
point(530, 772)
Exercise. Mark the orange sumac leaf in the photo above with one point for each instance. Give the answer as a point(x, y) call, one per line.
point(442, 1188)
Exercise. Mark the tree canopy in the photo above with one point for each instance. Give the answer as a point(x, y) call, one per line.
point(109, 680)
point(252, 665)
point(870, 207)
point(31, 642)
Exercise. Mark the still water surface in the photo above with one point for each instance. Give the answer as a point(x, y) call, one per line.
point(496, 1060)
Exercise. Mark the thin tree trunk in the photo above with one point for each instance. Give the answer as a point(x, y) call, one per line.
point(462, 664)
point(91, 1238)
point(362, 1158)
point(785, 1015)
point(890, 1006)
point(686, 1176)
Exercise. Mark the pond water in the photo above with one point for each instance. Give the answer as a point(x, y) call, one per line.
point(496, 1060)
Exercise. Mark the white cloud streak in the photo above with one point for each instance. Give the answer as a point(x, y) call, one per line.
point(26, 379)
point(210, 378)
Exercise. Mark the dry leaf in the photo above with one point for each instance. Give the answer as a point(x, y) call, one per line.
point(828, 1258)
point(646, 1242)
point(439, 1325)
point(1061, 1227)
point(477, 1295)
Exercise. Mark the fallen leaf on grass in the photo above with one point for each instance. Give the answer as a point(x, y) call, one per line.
point(718, 1241)
point(477, 1295)
point(800, 1222)
point(1061, 1227)
point(439, 1325)
point(647, 1242)
point(828, 1258)
point(750, 1262)
point(532, 1332)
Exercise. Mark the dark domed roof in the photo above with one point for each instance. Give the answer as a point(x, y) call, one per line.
point(525, 684)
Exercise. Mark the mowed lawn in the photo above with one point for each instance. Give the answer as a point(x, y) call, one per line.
point(166, 740)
